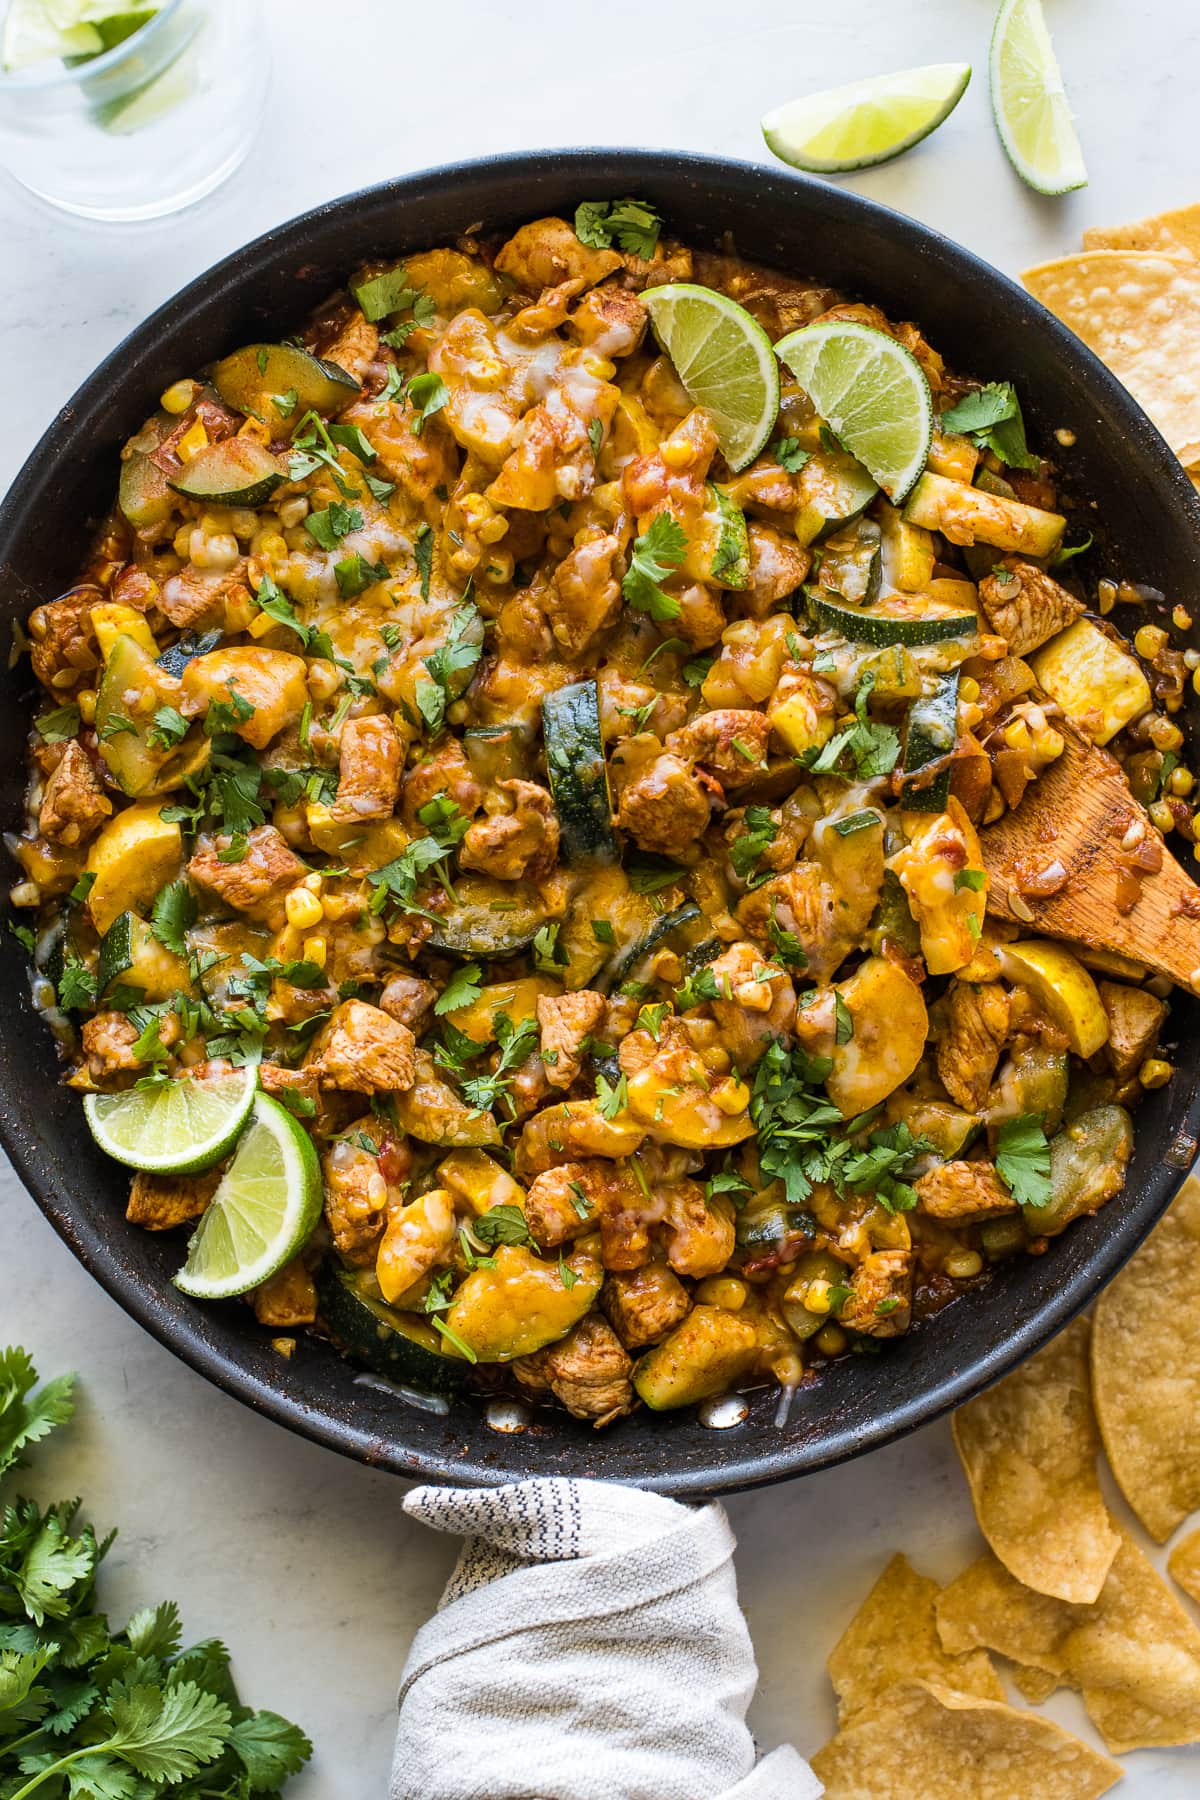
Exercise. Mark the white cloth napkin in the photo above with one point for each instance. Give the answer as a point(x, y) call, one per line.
point(589, 1646)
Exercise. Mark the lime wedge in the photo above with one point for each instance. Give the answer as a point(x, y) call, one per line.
point(865, 122)
point(1030, 103)
point(173, 1127)
point(871, 392)
point(268, 1202)
point(38, 30)
point(724, 359)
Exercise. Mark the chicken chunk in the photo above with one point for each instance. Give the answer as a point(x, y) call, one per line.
point(562, 1202)
point(74, 804)
point(1135, 1019)
point(699, 1232)
point(757, 1004)
point(573, 1129)
point(546, 252)
point(108, 1040)
point(1025, 606)
point(610, 320)
point(731, 743)
point(368, 770)
point(566, 1021)
point(447, 772)
point(519, 844)
point(588, 1371)
point(63, 647)
point(976, 1030)
point(417, 1238)
point(273, 1078)
point(356, 1198)
point(778, 566)
point(363, 1051)
point(664, 807)
point(587, 593)
point(880, 1303)
point(259, 883)
point(643, 1305)
point(410, 1000)
point(272, 683)
point(962, 1192)
point(418, 462)
point(345, 336)
point(289, 1297)
point(160, 1202)
point(198, 596)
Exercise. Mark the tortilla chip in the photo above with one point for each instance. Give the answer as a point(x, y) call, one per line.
point(1037, 1685)
point(1029, 1449)
point(893, 1637)
point(1140, 313)
point(1183, 1564)
point(1174, 233)
point(1134, 1654)
point(923, 1739)
point(1146, 1369)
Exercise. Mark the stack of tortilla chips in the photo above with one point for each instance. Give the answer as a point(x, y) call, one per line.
point(1133, 295)
point(1063, 1593)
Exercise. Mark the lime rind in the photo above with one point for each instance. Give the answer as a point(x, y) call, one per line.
point(267, 1203)
point(871, 392)
point(174, 1127)
point(724, 359)
point(1029, 102)
point(865, 122)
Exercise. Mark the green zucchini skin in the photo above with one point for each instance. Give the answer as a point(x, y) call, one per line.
point(578, 774)
point(671, 930)
point(891, 623)
point(731, 564)
point(235, 472)
point(244, 377)
point(851, 571)
point(490, 919)
point(932, 729)
point(176, 657)
point(390, 1343)
point(117, 949)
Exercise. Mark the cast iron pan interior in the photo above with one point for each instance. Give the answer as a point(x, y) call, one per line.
point(1128, 488)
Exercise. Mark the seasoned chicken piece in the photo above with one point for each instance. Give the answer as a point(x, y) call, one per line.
point(699, 1232)
point(554, 458)
point(196, 597)
point(63, 647)
point(345, 336)
point(588, 1371)
point(610, 320)
point(446, 772)
point(587, 593)
point(357, 1193)
point(731, 743)
point(363, 1051)
point(420, 462)
point(134, 587)
point(570, 1130)
point(485, 402)
point(273, 683)
point(368, 770)
point(962, 1192)
point(546, 252)
point(1025, 606)
point(1135, 1019)
point(160, 1202)
point(289, 1297)
point(757, 1004)
point(778, 566)
point(880, 1303)
point(256, 886)
point(273, 1078)
point(518, 844)
point(562, 1202)
point(976, 1030)
point(827, 902)
point(664, 806)
point(567, 1021)
point(416, 1239)
point(701, 616)
point(108, 1040)
point(74, 805)
point(409, 999)
point(644, 1304)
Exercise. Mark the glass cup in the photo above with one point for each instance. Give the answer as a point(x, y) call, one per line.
point(146, 127)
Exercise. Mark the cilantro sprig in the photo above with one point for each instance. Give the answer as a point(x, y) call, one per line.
point(633, 224)
point(656, 554)
point(1023, 1160)
point(991, 417)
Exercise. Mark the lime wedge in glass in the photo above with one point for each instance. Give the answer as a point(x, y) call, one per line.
point(173, 1127)
point(865, 122)
point(871, 392)
point(724, 359)
point(268, 1202)
point(38, 30)
point(1029, 101)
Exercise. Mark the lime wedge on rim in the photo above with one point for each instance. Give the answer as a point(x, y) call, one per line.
point(267, 1204)
point(1029, 101)
point(865, 122)
point(871, 392)
point(173, 1127)
point(724, 359)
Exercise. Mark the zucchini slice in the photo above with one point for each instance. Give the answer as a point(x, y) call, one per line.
point(578, 774)
point(252, 374)
point(131, 954)
point(143, 493)
point(850, 564)
point(176, 657)
point(834, 490)
point(679, 930)
point(731, 559)
point(124, 728)
point(968, 515)
point(605, 919)
point(235, 472)
point(490, 919)
point(929, 740)
point(939, 613)
point(495, 752)
point(404, 1347)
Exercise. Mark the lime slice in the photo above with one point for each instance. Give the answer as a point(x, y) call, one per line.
point(133, 112)
point(173, 1127)
point(38, 30)
point(1030, 103)
point(865, 122)
point(268, 1202)
point(724, 359)
point(871, 392)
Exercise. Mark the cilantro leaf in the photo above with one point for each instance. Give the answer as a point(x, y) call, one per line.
point(759, 834)
point(992, 417)
point(27, 1417)
point(155, 1631)
point(503, 1225)
point(354, 574)
point(461, 990)
point(657, 553)
point(166, 1734)
point(269, 1749)
point(788, 454)
point(423, 554)
point(76, 986)
point(332, 523)
point(277, 606)
point(428, 394)
point(456, 656)
point(57, 726)
point(612, 1097)
point(633, 224)
point(1023, 1160)
point(169, 727)
point(173, 911)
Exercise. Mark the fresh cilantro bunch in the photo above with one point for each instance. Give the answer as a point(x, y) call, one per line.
point(632, 224)
point(88, 1714)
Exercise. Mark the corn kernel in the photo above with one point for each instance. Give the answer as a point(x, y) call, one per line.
point(182, 541)
point(492, 530)
point(192, 442)
point(476, 511)
point(26, 893)
point(1163, 735)
point(1106, 594)
point(677, 453)
point(1149, 640)
point(255, 428)
point(499, 567)
point(831, 1340)
point(599, 366)
point(968, 688)
point(1181, 618)
point(303, 909)
point(1016, 735)
point(818, 1296)
point(1181, 782)
point(1155, 1073)
point(313, 882)
point(314, 951)
point(85, 699)
point(961, 1265)
point(1162, 816)
point(725, 1291)
point(731, 1096)
point(178, 397)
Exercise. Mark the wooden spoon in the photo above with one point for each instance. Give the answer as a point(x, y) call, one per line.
point(1080, 818)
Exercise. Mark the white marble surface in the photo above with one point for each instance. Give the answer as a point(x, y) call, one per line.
point(300, 1559)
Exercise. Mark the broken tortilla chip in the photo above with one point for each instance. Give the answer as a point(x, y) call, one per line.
point(1036, 1685)
point(1028, 1446)
point(1134, 1654)
point(1175, 233)
point(1146, 1370)
point(893, 1637)
point(923, 1739)
point(1140, 312)
point(1183, 1564)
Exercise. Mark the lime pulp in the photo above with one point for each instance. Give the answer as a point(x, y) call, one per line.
point(1029, 102)
point(865, 122)
point(871, 392)
point(173, 1127)
point(724, 359)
